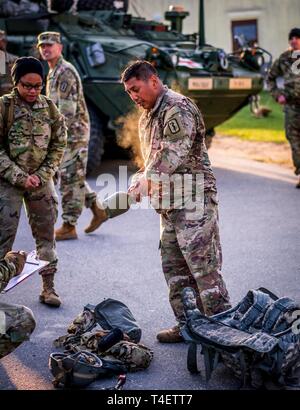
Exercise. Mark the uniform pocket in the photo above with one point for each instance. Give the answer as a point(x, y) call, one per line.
point(41, 132)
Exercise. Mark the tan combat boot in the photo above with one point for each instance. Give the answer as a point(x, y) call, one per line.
point(66, 231)
point(172, 335)
point(48, 295)
point(99, 216)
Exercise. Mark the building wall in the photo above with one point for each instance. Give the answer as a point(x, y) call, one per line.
point(275, 19)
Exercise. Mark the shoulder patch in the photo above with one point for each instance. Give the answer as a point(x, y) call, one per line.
point(173, 126)
point(63, 86)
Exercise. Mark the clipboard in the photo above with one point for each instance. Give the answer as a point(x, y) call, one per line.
point(33, 264)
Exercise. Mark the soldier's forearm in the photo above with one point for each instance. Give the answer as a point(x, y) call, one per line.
point(7, 271)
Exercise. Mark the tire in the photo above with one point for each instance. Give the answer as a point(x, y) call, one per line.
point(209, 137)
point(96, 142)
point(84, 5)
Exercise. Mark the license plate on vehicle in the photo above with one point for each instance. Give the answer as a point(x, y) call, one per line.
point(240, 83)
point(200, 84)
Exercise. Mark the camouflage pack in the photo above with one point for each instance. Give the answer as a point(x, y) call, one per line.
point(102, 340)
point(258, 339)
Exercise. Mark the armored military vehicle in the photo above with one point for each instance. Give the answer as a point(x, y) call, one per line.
point(100, 38)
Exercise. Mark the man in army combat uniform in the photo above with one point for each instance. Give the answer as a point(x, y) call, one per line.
point(171, 132)
point(33, 137)
point(285, 66)
point(16, 322)
point(6, 84)
point(65, 89)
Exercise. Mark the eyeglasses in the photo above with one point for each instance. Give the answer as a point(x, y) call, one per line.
point(28, 87)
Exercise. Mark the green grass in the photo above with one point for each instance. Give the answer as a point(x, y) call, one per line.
point(247, 127)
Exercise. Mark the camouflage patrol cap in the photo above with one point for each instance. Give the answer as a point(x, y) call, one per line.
point(49, 37)
point(2, 35)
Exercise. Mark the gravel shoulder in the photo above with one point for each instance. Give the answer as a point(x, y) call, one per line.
point(266, 152)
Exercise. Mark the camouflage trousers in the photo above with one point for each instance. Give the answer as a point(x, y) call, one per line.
point(191, 257)
point(16, 325)
point(74, 189)
point(41, 209)
point(292, 130)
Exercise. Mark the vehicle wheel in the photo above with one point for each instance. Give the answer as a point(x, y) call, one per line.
point(61, 5)
point(98, 5)
point(96, 142)
point(64, 5)
point(208, 137)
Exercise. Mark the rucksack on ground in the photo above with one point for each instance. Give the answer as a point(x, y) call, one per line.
point(102, 340)
point(257, 339)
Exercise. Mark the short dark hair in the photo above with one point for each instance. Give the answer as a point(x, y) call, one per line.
point(141, 70)
point(295, 32)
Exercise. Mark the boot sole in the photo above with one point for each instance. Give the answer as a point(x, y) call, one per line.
point(90, 230)
point(171, 341)
point(66, 238)
point(179, 340)
point(42, 300)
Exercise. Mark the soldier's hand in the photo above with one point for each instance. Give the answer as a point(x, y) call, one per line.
point(18, 259)
point(134, 192)
point(32, 181)
point(281, 100)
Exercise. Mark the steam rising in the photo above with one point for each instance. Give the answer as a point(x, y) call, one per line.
point(128, 136)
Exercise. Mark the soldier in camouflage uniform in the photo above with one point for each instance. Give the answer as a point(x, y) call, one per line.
point(65, 89)
point(32, 141)
point(287, 68)
point(6, 84)
point(16, 322)
point(171, 132)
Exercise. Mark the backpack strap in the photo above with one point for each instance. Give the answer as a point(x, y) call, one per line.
point(260, 304)
point(280, 306)
point(7, 109)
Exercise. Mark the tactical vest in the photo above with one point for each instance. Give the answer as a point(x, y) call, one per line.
point(257, 339)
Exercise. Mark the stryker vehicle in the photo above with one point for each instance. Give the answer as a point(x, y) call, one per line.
point(100, 40)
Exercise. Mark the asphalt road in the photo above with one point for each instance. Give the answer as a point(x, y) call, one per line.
point(259, 224)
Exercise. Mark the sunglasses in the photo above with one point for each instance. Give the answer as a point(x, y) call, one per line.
point(28, 87)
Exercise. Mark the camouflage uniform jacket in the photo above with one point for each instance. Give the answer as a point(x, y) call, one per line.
point(35, 142)
point(6, 83)
point(7, 271)
point(283, 67)
point(64, 87)
point(172, 139)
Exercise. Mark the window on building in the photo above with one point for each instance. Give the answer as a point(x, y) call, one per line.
point(244, 30)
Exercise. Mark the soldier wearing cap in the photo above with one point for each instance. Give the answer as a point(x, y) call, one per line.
point(289, 96)
point(64, 87)
point(6, 84)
